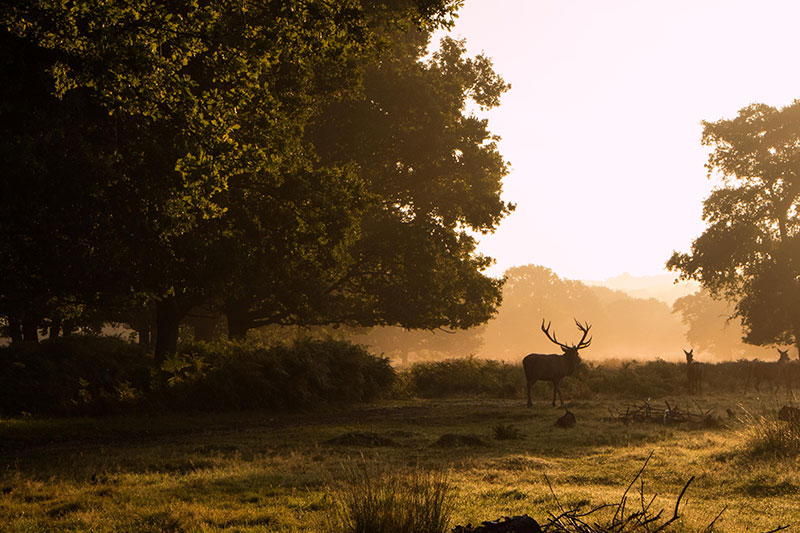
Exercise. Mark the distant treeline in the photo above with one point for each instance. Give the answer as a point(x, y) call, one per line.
point(622, 326)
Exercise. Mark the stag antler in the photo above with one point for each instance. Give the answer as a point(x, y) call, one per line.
point(553, 336)
point(585, 329)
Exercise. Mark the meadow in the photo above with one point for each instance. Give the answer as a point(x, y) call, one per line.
point(290, 471)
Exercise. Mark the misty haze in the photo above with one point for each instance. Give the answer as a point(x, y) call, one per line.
point(423, 266)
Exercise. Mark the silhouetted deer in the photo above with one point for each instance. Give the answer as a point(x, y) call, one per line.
point(554, 367)
point(694, 372)
point(773, 372)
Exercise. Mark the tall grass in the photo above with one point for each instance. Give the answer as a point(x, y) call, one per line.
point(767, 436)
point(371, 501)
point(471, 376)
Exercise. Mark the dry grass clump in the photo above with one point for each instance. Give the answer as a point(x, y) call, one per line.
point(367, 500)
point(768, 436)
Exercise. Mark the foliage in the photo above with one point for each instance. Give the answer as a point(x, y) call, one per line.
point(748, 253)
point(238, 375)
point(429, 171)
point(389, 502)
point(203, 113)
point(71, 375)
point(468, 376)
point(98, 375)
point(506, 432)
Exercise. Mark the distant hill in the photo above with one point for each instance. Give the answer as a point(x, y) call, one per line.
point(661, 287)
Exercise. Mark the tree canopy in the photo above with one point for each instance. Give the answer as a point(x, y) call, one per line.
point(282, 162)
point(750, 252)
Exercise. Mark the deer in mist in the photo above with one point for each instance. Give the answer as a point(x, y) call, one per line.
point(554, 367)
point(694, 372)
point(773, 372)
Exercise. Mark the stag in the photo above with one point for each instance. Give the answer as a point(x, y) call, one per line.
point(554, 367)
point(694, 372)
point(772, 372)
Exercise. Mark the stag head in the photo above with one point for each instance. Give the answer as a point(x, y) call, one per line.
point(689, 355)
point(570, 350)
point(784, 355)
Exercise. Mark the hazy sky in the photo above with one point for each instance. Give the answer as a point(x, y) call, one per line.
point(602, 124)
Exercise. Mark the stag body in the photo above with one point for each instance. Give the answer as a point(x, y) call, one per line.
point(694, 372)
point(554, 367)
point(773, 372)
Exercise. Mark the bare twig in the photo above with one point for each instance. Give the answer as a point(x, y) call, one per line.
point(711, 525)
point(621, 508)
point(675, 515)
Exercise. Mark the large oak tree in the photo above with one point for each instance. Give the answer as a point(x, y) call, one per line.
point(203, 173)
point(750, 252)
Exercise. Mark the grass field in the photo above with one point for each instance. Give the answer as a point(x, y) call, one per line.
point(279, 472)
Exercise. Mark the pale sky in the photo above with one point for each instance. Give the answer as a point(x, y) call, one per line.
point(602, 123)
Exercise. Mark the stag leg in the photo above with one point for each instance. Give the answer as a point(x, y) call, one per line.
point(530, 404)
point(556, 389)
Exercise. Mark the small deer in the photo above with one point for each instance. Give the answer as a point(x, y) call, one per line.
point(554, 367)
point(694, 372)
point(773, 372)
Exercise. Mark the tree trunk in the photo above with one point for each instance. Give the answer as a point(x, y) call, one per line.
point(55, 328)
point(797, 343)
point(68, 328)
point(144, 332)
point(30, 331)
point(203, 323)
point(15, 329)
point(239, 322)
point(168, 319)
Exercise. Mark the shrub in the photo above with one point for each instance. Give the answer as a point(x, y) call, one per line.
point(637, 379)
point(468, 376)
point(241, 375)
point(379, 502)
point(98, 375)
point(73, 375)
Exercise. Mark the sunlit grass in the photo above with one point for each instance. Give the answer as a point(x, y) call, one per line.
point(277, 472)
